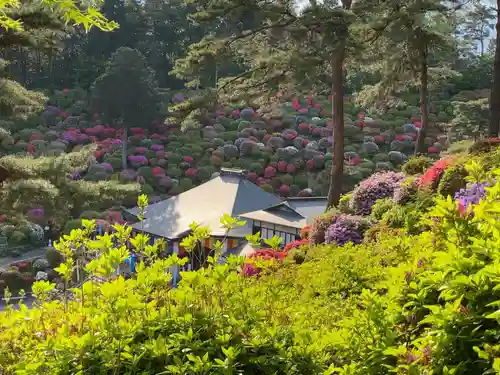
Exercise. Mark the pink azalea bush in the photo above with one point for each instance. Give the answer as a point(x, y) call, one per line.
point(377, 186)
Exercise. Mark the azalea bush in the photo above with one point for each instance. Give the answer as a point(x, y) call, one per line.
point(346, 228)
point(283, 155)
point(379, 185)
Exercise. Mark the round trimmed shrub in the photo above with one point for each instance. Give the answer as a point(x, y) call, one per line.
point(147, 189)
point(301, 181)
point(174, 172)
point(17, 237)
point(267, 187)
point(116, 163)
point(40, 264)
point(145, 171)
point(13, 279)
point(72, 224)
point(185, 184)
point(287, 179)
point(417, 165)
point(452, 181)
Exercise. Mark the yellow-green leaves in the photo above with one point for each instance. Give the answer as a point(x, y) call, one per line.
point(476, 170)
point(142, 203)
point(274, 242)
point(65, 269)
point(230, 223)
point(107, 264)
point(254, 239)
point(72, 12)
point(41, 289)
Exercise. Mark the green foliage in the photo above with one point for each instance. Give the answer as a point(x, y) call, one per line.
point(71, 225)
point(43, 182)
point(68, 10)
point(452, 181)
point(470, 118)
point(483, 146)
point(53, 256)
point(344, 204)
point(399, 303)
point(127, 92)
point(417, 165)
point(380, 207)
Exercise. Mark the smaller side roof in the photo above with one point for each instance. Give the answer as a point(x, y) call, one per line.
point(309, 207)
point(280, 214)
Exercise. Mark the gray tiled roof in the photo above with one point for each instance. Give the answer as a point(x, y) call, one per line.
point(205, 204)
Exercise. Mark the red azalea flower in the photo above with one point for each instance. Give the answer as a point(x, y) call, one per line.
point(432, 176)
point(295, 244)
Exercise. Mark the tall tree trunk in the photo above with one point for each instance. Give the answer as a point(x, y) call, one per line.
point(124, 148)
point(337, 171)
point(494, 125)
point(424, 100)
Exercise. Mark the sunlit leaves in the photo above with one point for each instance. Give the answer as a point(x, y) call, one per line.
point(72, 13)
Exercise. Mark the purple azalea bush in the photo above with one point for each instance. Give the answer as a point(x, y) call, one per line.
point(107, 166)
point(139, 159)
point(157, 148)
point(37, 212)
point(346, 228)
point(377, 186)
point(76, 176)
point(471, 195)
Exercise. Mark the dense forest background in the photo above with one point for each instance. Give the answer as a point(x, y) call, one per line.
point(163, 31)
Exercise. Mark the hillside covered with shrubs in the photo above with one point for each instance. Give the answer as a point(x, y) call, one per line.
point(290, 155)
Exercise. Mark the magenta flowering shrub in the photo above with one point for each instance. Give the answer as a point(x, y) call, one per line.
point(377, 186)
point(107, 167)
point(346, 228)
point(157, 147)
point(138, 159)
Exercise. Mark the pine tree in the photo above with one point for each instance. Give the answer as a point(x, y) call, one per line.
point(47, 182)
point(36, 24)
point(479, 23)
point(285, 51)
point(406, 50)
point(127, 93)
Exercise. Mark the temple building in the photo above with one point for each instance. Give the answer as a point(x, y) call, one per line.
point(229, 193)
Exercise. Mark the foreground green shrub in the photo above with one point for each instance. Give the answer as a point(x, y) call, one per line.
point(402, 304)
point(175, 334)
